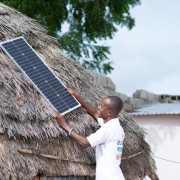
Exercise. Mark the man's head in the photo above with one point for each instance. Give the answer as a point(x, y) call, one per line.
point(110, 107)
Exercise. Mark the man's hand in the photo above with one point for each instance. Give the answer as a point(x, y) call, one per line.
point(71, 91)
point(62, 121)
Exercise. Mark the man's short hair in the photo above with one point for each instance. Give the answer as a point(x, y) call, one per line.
point(116, 103)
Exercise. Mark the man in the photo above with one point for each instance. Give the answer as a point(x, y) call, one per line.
point(108, 139)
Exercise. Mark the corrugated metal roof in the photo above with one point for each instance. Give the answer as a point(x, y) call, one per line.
point(163, 108)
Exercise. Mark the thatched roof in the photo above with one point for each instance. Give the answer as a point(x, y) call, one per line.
point(31, 141)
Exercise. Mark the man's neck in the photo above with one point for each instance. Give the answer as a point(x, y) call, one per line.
point(109, 119)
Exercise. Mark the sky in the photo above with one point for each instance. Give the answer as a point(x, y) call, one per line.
point(148, 56)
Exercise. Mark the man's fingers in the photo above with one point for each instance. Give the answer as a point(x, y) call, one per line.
point(71, 91)
point(58, 115)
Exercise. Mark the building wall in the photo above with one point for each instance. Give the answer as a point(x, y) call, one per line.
point(164, 139)
point(139, 99)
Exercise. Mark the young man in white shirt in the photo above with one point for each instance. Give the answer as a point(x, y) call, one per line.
point(108, 139)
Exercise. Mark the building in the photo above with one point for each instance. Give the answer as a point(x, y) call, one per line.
point(162, 124)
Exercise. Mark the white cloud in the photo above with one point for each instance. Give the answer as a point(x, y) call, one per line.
point(147, 57)
point(166, 85)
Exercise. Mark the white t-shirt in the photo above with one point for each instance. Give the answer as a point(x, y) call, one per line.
point(108, 140)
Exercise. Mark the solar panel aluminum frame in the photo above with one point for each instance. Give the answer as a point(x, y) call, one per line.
point(21, 37)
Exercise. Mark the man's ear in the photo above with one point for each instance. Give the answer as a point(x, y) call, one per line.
point(110, 112)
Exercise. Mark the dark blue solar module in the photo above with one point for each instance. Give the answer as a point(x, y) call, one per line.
point(40, 74)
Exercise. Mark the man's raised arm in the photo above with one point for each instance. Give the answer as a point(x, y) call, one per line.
point(90, 110)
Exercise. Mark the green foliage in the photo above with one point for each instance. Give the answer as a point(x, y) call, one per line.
point(88, 22)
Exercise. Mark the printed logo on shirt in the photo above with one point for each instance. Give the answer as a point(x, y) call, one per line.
point(118, 156)
point(119, 142)
point(119, 149)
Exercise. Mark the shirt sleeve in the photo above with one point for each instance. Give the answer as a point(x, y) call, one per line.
point(99, 137)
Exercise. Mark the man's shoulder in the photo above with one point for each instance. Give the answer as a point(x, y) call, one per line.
point(115, 125)
point(100, 121)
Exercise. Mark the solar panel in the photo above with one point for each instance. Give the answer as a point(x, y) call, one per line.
point(40, 74)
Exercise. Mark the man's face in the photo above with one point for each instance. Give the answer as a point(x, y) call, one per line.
point(103, 108)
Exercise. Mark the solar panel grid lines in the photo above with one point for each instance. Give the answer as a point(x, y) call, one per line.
point(43, 78)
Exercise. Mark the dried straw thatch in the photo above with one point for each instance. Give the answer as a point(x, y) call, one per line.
point(31, 141)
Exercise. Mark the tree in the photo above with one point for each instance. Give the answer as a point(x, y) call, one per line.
point(88, 22)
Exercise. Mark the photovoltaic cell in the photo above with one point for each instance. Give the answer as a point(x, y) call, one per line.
point(40, 74)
